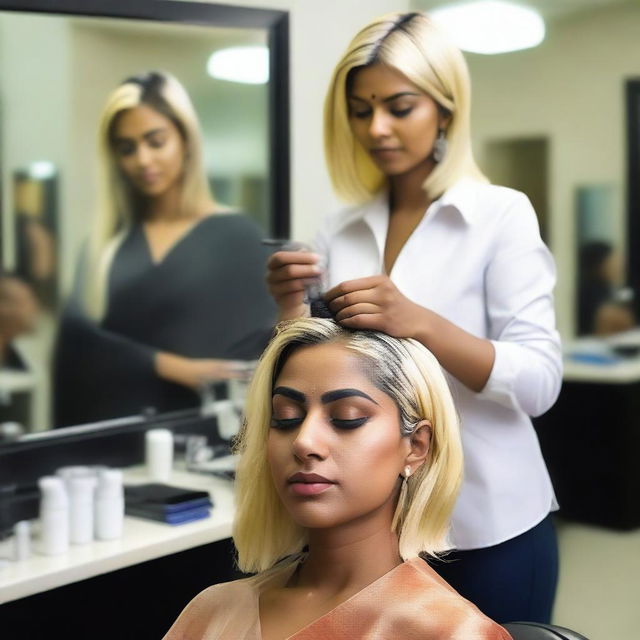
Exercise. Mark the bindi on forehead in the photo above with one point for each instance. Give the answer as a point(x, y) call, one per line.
point(373, 96)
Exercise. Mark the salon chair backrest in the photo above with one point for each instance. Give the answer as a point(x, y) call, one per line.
point(538, 631)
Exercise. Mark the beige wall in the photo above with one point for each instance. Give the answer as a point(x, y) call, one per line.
point(569, 90)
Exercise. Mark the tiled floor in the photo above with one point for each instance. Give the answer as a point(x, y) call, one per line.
point(599, 587)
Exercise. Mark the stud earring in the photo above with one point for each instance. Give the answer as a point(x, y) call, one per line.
point(440, 146)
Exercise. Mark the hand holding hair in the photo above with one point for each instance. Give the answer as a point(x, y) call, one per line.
point(375, 303)
point(287, 274)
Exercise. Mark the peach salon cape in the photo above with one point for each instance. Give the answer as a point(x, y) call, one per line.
point(409, 602)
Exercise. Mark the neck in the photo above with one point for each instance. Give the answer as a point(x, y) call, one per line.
point(349, 559)
point(165, 207)
point(406, 190)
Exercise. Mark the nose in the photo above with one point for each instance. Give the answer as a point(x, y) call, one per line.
point(311, 439)
point(379, 125)
point(143, 155)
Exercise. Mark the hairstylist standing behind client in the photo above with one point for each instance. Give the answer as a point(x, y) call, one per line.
point(431, 251)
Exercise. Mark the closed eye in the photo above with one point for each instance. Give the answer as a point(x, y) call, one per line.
point(360, 113)
point(349, 424)
point(156, 141)
point(401, 113)
point(125, 148)
point(284, 424)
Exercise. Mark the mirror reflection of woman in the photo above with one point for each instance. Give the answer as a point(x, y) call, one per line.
point(429, 250)
point(172, 280)
point(350, 464)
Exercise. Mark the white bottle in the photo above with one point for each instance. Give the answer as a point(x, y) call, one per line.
point(22, 540)
point(109, 505)
point(81, 489)
point(159, 454)
point(54, 515)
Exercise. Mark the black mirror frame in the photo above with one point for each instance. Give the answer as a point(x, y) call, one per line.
point(204, 14)
point(633, 184)
point(22, 462)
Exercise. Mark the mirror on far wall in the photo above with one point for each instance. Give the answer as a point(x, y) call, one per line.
point(56, 70)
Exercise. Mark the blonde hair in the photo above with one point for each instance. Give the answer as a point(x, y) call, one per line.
point(414, 46)
point(404, 369)
point(119, 204)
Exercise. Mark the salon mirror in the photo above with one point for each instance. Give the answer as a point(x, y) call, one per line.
point(58, 62)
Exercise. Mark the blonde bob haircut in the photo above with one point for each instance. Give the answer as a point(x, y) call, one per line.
point(404, 369)
point(414, 46)
point(119, 204)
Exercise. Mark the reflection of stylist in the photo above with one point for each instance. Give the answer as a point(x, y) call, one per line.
point(174, 283)
point(432, 252)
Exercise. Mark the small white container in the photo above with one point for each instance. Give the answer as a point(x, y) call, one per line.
point(73, 471)
point(54, 515)
point(228, 418)
point(81, 489)
point(22, 540)
point(109, 505)
point(159, 454)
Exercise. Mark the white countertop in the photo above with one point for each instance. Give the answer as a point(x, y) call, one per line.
point(624, 371)
point(142, 540)
point(595, 359)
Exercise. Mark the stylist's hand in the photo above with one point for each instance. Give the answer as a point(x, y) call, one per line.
point(193, 372)
point(287, 273)
point(375, 303)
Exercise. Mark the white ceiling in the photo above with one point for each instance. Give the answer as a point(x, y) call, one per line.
point(549, 9)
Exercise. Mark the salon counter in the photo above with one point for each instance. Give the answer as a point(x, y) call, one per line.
point(590, 439)
point(143, 540)
point(623, 371)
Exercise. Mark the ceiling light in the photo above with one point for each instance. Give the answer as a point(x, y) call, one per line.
point(41, 170)
point(240, 64)
point(491, 26)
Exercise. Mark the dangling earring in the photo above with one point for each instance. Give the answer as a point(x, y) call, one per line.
point(402, 498)
point(440, 146)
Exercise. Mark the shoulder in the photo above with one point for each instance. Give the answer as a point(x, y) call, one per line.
point(236, 232)
point(344, 217)
point(225, 600)
point(498, 202)
point(230, 221)
point(442, 608)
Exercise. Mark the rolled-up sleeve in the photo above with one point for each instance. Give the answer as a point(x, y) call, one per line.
point(519, 282)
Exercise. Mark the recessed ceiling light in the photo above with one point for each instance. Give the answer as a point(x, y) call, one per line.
point(41, 170)
point(491, 26)
point(240, 64)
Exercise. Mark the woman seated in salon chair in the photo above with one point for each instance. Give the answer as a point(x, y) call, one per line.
point(350, 465)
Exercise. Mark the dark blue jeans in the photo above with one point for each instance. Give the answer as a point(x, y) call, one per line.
point(514, 580)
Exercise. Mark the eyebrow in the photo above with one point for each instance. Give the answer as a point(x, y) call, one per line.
point(395, 96)
point(325, 398)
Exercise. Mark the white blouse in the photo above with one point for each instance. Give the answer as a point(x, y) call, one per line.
point(477, 259)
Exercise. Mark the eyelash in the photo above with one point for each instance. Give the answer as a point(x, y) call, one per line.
point(292, 423)
point(397, 113)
